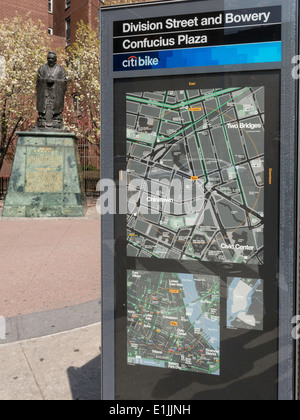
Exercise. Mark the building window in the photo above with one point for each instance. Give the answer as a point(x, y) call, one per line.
point(68, 4)
point(50, 6)
point(50, 31)
point(68, 31)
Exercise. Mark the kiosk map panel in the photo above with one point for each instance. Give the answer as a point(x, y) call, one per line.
point(245, 303)
point(174, 321)
point(214, 139)
point(199, 225)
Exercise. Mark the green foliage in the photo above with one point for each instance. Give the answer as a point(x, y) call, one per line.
point(89, 167)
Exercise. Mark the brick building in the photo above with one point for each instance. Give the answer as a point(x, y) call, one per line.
point(66, 14)
point(38, 10)
point(41, 10)
point(60, 17)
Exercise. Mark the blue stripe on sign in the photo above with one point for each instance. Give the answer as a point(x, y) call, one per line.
point(268, 52)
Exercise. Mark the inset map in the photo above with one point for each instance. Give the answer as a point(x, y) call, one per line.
point(245, 304)
point(174, 321)
point(210, 141)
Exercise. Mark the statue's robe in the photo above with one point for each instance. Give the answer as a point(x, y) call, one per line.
point(59, 88)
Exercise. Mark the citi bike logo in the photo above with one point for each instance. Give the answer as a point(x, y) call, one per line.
point(134, 62)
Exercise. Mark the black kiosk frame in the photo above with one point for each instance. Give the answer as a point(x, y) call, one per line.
point(199, 302)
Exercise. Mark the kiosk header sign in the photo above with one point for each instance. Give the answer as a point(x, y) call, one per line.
point(199, 239)
point(192, 40)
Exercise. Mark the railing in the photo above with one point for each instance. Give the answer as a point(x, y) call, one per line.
point(90, 163)
point(91, 179)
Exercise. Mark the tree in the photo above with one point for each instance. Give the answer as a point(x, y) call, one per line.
point(82, 111)
point(23, 48)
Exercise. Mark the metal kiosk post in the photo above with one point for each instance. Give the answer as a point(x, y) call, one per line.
point(199, 198)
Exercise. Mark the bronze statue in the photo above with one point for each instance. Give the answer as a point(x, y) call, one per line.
point(51, 88)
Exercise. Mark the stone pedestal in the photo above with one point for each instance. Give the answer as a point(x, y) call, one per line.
point(46, 178)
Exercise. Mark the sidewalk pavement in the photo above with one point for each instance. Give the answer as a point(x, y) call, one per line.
point(64, 366)
point(50, 304)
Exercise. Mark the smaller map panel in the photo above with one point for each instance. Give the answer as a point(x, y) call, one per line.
point(174, 321)
point(245, 303)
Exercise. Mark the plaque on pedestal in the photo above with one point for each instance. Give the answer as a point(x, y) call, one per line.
point(46, 178)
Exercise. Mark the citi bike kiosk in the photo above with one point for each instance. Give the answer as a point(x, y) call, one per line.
point(199, 187)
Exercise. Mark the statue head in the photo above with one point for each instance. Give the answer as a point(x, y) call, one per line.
point(51, 59)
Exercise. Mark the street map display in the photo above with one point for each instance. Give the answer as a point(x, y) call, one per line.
point(195, 174)
point(173, 321)
point(245, 304)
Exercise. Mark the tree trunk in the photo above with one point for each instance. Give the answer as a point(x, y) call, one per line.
point(6, 142)
point(3, 133)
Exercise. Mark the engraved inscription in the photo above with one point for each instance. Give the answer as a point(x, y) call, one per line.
point(44, 170)
point(49, 182)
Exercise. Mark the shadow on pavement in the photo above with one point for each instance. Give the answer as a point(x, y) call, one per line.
point(85, 382)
